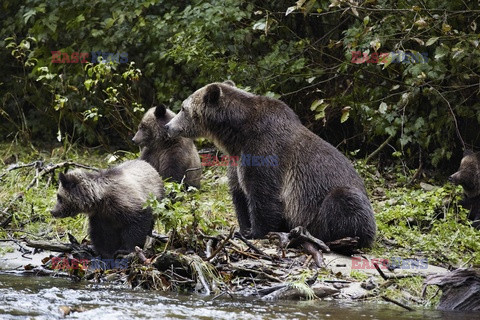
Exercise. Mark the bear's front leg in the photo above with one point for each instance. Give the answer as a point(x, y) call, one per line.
point(105, 239)
point(136, 231)
point(239, 201)
point(266, 209)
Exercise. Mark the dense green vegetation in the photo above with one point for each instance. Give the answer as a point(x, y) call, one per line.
point(424, 108)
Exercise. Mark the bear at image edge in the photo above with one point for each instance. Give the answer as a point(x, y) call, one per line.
point(171, 157)
point(313, 184)
point(468, 176)
point(113, 200)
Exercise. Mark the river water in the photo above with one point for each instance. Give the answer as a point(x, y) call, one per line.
point(30, 297)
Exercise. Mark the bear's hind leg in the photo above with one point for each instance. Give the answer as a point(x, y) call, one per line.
point(345, 212)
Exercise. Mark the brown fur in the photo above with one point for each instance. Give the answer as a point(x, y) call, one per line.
point(175, 159)
point(313, 185)
point(113, 199)
point(468, 176)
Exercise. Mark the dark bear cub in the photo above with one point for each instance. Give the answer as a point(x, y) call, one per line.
point(113, 199)
point(174, 158)
point(310, 183)
point(468, 176)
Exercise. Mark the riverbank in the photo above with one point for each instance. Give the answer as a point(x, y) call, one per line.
point(421, 230)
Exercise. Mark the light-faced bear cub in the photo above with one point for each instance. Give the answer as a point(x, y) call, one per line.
point(468, 176)
point(309, 183)
point(113, 200)
point(177, 158)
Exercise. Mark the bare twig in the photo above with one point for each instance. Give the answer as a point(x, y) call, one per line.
point(376, 151)
point(251, 246)
point(382, 274)
point(52, 167)
point(453, 116)
point(220, 247)
point(397, 303)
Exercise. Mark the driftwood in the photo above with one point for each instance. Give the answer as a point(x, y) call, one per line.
point(345, 245)
point(300, 235)
point(46, 245)
point(461, 289)
point(80, 250)
point(240, 236)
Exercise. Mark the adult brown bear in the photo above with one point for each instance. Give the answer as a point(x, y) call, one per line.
point(287, 176)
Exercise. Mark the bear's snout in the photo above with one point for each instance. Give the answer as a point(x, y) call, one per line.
point(454, 178)
point(171, 132)
point(55, 213)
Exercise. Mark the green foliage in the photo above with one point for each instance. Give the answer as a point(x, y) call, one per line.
point(298, 51)
point(423, 220)
point(185, 212)
point(358, 275)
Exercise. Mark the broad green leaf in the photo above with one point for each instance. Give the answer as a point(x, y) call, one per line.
point(315, 104)
point(431, 41)
point(30, 13)
point(80, 18)
point(345, 114)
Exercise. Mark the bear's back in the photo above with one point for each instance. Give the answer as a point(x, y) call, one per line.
point(130, 183)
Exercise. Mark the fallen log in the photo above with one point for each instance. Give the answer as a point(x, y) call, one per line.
point(45, 245)
point(461, 289)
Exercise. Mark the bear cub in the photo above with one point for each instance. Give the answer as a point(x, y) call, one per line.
point(174, 158)
point(468, 176)
point(113, 199)
point(311, 184)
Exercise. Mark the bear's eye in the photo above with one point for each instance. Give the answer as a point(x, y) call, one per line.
point(183, 109)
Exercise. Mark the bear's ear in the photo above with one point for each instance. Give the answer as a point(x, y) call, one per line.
point(160, 111)
point(212, 94)
point(68, 181)
point(467, 152)
point(229, 82)
point(64, 180)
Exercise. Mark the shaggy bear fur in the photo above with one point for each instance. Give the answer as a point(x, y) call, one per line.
point(468, 176)
point(174, 158)
point(309, 184)
point(113, 199)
